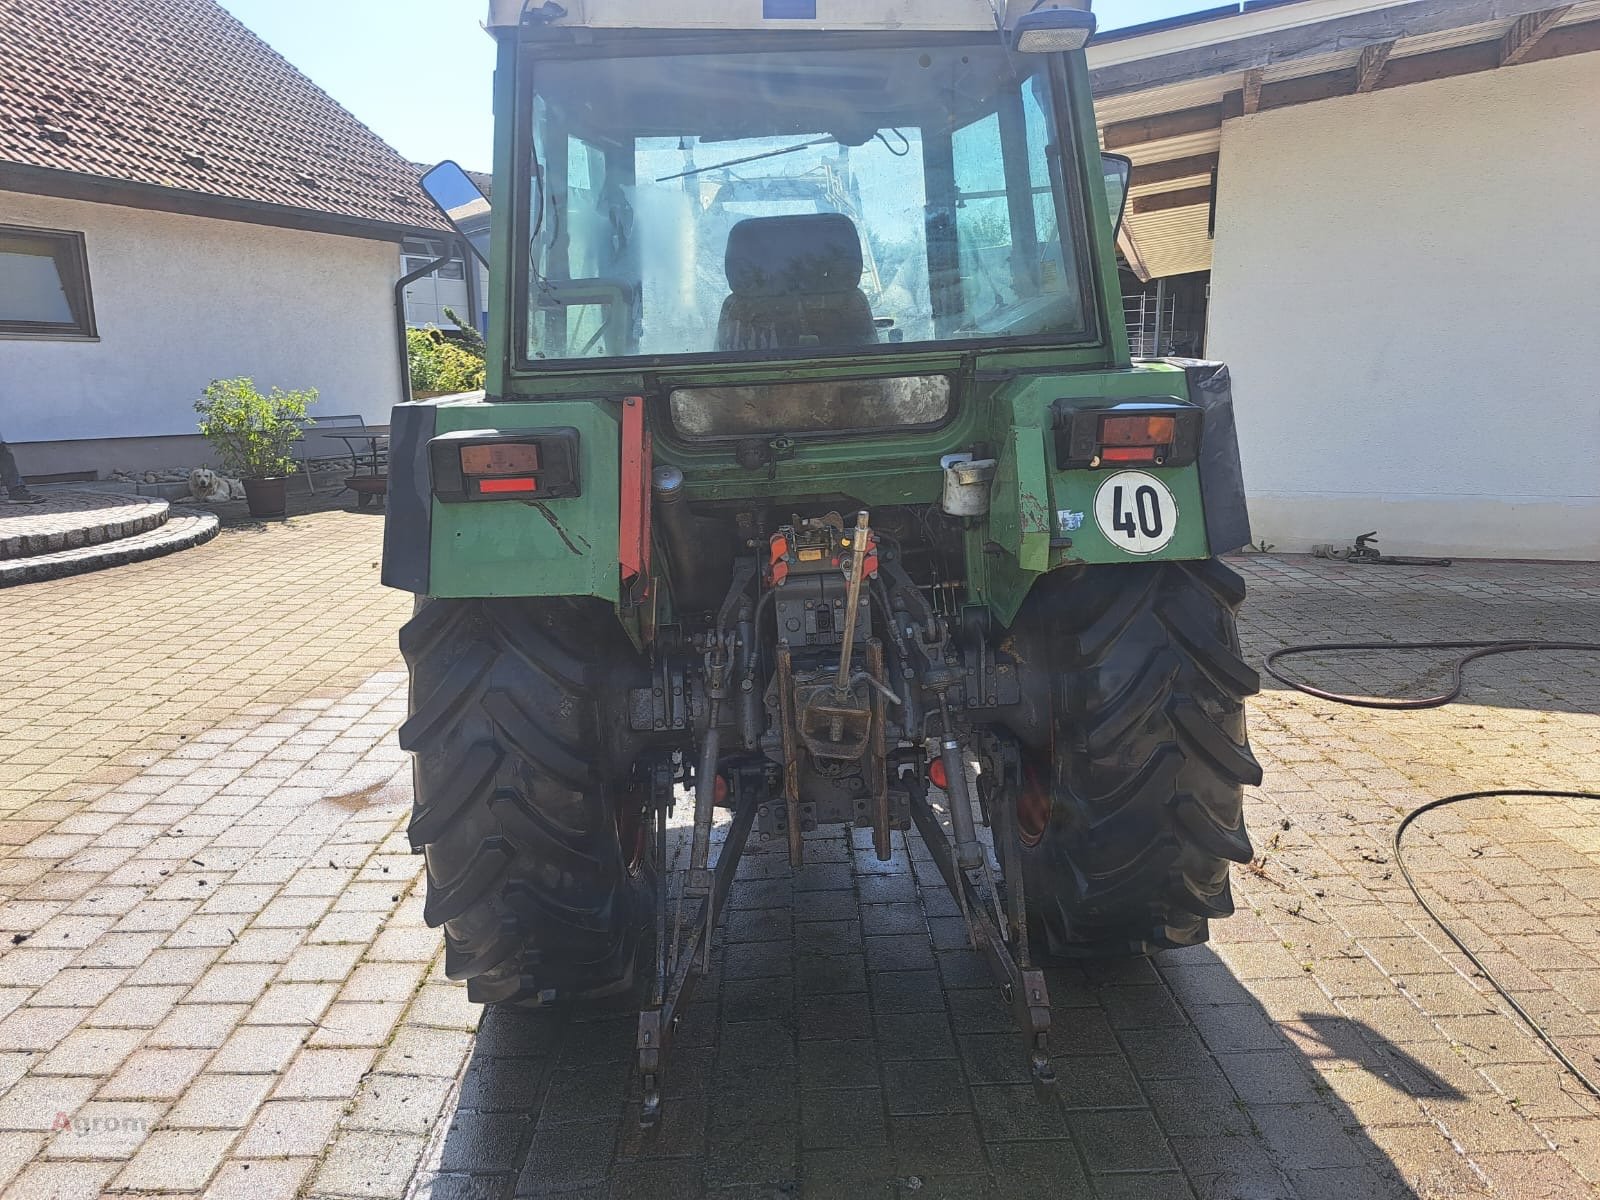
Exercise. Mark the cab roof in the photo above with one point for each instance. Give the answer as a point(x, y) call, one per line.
point(942, 16)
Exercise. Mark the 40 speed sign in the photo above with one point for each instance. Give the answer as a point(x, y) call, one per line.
point(1136, 512)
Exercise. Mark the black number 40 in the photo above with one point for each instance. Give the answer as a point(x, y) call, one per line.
point(1145, 517)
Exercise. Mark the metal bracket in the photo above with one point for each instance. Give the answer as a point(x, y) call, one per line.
point(676, 972)
point(791, 757)
point(1023, 988)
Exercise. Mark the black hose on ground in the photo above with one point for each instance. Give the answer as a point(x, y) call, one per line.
point(1505, 993)
point(1475, 650)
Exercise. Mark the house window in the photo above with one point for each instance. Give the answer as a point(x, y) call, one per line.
point(44, 284)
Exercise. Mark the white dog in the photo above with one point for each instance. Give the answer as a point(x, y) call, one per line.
point(205, 484)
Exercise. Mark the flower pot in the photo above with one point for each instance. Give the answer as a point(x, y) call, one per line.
point(267, 497)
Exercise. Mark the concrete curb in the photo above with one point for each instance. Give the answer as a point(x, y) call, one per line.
point(183, 528)
point(74, 520)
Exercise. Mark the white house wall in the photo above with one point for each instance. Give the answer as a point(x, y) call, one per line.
point(181, 301)
point(1407, 287)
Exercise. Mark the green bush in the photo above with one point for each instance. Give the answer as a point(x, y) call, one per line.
point(251, 432)
point(441, 365)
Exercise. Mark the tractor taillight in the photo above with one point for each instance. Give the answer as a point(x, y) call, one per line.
point(504, 458)
point(1137, 431)
point(506, 486)
point(1152, 433)
point(505, 464)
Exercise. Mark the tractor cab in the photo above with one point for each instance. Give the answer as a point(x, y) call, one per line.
point(768, 184)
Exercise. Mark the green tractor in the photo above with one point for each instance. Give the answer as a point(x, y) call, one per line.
point(814, 482)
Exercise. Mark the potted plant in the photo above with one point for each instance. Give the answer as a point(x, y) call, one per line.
point(253, 435)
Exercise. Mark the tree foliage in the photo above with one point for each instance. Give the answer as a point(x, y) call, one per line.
point(441, 365)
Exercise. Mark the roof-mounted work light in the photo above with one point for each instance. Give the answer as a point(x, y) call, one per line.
point(1053, 31)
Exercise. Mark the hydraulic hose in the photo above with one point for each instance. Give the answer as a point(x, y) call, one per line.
point(1475, 650)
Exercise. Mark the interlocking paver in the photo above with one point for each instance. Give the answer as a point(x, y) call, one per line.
point(290, 1128)
point(61, 1179)
point(154, 1075)
point(220, 1101)
point(174, 1161)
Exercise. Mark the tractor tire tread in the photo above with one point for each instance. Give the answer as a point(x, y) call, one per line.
point(1150, 756)
point(516, 797)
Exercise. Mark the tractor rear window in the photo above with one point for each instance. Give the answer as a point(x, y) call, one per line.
point(799, 203)
point(832, 406)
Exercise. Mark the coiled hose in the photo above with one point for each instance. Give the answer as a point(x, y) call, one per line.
point(1475, 650)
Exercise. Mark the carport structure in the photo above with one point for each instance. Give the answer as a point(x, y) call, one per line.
point(1393, 201)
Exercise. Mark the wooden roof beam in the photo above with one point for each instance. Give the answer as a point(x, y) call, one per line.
point(1172, 169)
point(1559, 42)
point(1165, 125)
point(1526, 31)
point(1252, 89)
point(1437, 64)
point(1165, 201)
point(1370, 69)
point(1117, 67)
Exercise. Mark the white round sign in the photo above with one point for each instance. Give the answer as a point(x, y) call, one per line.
point(1136, 512)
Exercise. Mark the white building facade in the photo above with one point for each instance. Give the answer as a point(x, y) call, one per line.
point(179, 301)
point(1404, 277)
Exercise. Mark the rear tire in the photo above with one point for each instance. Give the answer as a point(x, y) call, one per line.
point(1138, 798)
point(518, 796)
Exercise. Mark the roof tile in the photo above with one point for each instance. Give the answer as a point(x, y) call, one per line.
point(180, 94)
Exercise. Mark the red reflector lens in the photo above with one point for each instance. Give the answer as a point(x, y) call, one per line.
point(1140, 454)
point(504, 487)
point(1137, 431)
point(936, 774)
point(504, 458)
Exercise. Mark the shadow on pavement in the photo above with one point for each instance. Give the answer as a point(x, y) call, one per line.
point(850, 1044)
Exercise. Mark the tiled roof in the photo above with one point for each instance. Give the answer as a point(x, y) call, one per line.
point(179, 94)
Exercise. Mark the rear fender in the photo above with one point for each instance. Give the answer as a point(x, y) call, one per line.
point(517, 547)
point(1044, 516)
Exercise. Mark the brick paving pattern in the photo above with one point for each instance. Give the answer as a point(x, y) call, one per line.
point(225, 987)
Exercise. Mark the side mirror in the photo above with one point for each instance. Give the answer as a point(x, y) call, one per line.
point(1053, 31)
point(463, 204)
point(1118, 168)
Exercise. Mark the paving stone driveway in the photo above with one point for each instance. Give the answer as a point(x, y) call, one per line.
point(215, 978)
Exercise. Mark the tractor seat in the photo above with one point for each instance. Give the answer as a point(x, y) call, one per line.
point(796, 283)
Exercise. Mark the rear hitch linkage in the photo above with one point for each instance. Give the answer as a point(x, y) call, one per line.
point(996, 918)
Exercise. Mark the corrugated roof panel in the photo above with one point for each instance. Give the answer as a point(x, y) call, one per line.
point(1449, 39)
point(1130, 106)
point(1199, 179)
point(1315, 64)
point(1173, 242)
point(1207, 141)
